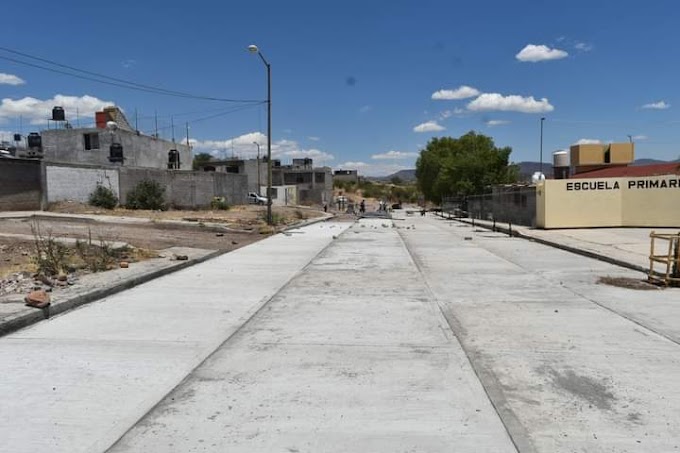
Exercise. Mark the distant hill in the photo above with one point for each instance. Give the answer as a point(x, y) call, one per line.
point(404, 175)
point(652, 161)
point(526, 169)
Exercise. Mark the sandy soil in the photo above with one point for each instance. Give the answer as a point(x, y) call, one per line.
point(247, 222)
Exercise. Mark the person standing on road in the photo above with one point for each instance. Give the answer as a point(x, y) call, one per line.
point(362, 206)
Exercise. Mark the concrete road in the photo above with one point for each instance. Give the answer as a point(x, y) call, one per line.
point(77, 382)
point(570, 365)
point(352, 355)
point(418, 335)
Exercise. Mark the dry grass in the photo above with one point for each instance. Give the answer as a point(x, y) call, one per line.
point(238, 216)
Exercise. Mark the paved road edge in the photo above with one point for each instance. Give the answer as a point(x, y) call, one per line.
point(22, 320)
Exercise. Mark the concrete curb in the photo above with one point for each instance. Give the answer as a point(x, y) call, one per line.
point(567, 248)
point(307, 222)
point(22, 320)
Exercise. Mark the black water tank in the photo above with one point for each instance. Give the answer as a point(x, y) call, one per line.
point(34, 140)
point(116, 152)
point(17, 137)
point(58, 114)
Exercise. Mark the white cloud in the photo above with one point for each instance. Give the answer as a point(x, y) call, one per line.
point(10, 79)
point(462, 92)
point(492, 123)
point(640, 137)
point(661, 105)
point(457, 112)
point(587, 141)
point(583, 46)
point(37, 111)
point(394, 155)
point(244, 147)
point(533, 53)
point(429, 126)
point(511, 103)
point(314, 139)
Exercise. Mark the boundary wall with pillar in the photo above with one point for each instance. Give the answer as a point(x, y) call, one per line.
point(650, 201)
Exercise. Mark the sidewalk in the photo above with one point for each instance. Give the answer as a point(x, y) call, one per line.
point(14, 314)
point(626, 247)
point(79, 381)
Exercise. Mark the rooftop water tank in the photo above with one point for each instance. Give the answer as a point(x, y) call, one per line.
point(116, 153)
point(560, 159)
point(58, 114)
point(34, 140)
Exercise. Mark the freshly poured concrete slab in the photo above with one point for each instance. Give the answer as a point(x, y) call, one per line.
point(352, 355)
point(566, 370)
point(77, 382)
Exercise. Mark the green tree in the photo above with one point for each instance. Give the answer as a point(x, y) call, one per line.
point(396, 180)
point(462, 166)
point(200, 159)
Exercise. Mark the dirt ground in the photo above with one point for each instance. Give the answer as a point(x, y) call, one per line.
point(241, 216)
point(246, 224)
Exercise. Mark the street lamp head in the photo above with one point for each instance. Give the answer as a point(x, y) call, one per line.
point(253, 48)
point(543, 118)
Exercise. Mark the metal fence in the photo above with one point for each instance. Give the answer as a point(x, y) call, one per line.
point(514, 204)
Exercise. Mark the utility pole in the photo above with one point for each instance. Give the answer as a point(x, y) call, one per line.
point(172, 125)
point(155, 115)
point(258, 167)
point(540, 168)
point(253, 49)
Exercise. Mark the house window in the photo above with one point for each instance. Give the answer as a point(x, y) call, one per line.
point(320, 178)
point(91, 141)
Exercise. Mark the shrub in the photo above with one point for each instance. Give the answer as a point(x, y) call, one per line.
point(148, 194)
point(219, 204)
point(50, 256)
point(103, 197)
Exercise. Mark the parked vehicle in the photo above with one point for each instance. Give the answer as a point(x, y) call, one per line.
point(254, 198)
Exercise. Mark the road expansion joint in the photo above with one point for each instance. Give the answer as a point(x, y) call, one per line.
point(580, 295)
point(486, 377)
point(264, 303)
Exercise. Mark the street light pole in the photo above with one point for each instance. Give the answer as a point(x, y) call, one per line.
point(253, 49)
point(258, 167)
point(540, 168)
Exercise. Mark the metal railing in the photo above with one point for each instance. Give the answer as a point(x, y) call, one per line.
point(511, 204)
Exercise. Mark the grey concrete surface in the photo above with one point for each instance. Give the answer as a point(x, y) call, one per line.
point(629, 247)
point(415, 335)
point(352, 355)
point(77, 382)
point(570, 365)
point(14, 314)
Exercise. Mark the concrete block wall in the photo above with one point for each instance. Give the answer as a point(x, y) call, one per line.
point(21, 187)
point(31, 184)
point(188, 189)
point(65, 182)
point(68, 146)
point(234, 188)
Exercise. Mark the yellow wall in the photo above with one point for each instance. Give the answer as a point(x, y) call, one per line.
point(619, 153)
point(622, 153)
point(652, 201)
point(586, 155)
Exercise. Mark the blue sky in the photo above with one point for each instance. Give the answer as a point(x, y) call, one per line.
point(354, 81)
